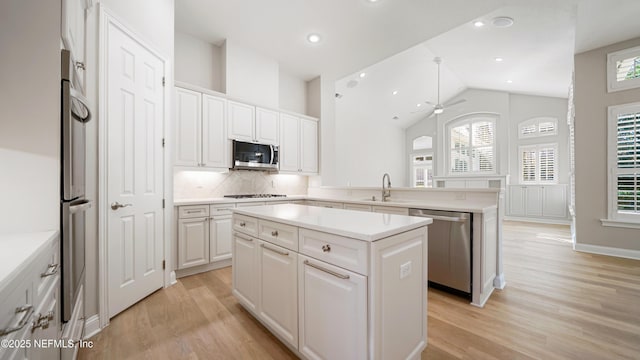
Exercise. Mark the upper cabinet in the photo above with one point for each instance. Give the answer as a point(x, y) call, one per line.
point(200, 129)
point(298, 145)
point(252, 124)
point(73, 35)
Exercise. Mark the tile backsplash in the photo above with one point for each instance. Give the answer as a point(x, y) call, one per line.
point(203, 184)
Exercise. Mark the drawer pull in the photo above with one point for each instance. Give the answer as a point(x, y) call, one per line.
point(326, 248)
point(51, 270)
point(27, 310)
point(193, 211)
point(224, 209)
point(338, 275)
point(243, 224)
point(243, 238)
point(274, 233)
point(283, 253)
point(42, 321)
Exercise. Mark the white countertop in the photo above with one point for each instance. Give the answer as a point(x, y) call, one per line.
point(18, 250)
point(360, 225)
point(453, 205)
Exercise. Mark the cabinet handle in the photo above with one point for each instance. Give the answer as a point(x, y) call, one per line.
point(80, 65)
point(326, 248)
point(42, 321)
point(193, 211)
point(27, 310)
point(52, 269)
point(224, 209)
point(243, 238)
point(338, 275)
point(274, 233)
point(243, 224)
point(283, 253)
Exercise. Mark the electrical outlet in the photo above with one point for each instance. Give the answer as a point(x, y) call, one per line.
point(405, 270)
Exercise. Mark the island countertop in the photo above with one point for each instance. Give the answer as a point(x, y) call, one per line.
point(18, 250)
point(359, 225)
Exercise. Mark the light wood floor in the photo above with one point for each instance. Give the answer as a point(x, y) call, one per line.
point(558, 304)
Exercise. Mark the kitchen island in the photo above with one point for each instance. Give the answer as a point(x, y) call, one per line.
point(334, 283)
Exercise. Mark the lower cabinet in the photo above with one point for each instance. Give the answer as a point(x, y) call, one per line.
point(333, 311)
point(390, 210)
point(220, 238)
point(193, 242)
point(278, 290)
point(538, 201)
point(245, 266)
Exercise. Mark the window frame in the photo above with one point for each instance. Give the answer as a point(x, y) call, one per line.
point(470, 120)
point(415, 165)
point(614, 216)
point(537, 170)
point(613, 84)
point(537, 121)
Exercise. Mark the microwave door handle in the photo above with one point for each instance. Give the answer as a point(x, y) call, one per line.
point(272, 162)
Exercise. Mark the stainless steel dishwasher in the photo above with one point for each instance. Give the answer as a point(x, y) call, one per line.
point(449, 250)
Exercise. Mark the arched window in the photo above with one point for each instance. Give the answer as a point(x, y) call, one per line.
point(472, 145)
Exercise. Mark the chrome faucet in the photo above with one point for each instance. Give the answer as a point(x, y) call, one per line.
point(386, 188)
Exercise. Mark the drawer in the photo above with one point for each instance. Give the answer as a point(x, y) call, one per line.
point(193, 211)
point(47, 271)
point(357, 207)
point(279, 234)
point(245, 224)
point(336, 250)
point(16, 307)
point(221, 209)
point(391, 210)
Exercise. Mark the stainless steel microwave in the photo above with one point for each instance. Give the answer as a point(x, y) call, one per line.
point(254, 156)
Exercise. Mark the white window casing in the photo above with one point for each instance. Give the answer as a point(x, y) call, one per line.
point(623, 164)
point(472, 146)
point(623, 69)
point(536, 127)
point(538, 164)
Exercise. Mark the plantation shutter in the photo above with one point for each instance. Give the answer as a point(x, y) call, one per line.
point(547, 156)
point(628, 163)
point(528, 164)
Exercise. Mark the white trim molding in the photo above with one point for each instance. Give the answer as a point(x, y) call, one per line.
point(612, 69)
point(620, 223)
point(91, 326)
point(609, 251)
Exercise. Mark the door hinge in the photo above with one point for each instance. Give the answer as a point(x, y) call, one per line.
point(163, 203)
point(163, 142)
point(164, 264)
point(163, 81)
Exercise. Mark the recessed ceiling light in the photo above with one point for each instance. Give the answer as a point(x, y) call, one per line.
point(499, 59)
point(509, 81)
point(478, 23)
point(418, 105)
point(313, 38)
point(362, 74)
point(372, 1)
point(395, 92)
point(502, 21)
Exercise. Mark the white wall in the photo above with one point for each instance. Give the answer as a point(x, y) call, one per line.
point(29, 115)
point(591, 101)
point(198, 62)
point(251, 76)
point(525, 107)
point(313, 97)
point(292, 93)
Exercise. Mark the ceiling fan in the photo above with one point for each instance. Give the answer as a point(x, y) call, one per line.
point(438, 108)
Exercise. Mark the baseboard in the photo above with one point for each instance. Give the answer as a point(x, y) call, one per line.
point(499, 282)
point(172, 278)
point(609, 251)
point(202, 268)
point(91, 326)
point(539, 220)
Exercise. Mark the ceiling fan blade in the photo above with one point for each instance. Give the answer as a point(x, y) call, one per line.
point(432, 114)
point(429, 103)
point(449, 104)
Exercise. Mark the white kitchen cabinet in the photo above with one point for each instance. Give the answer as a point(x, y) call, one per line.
point(253, 124)
point(245, 266)
point(298, 145)
point(357, 207)
point(333, 311)
point(193, 242)
point(278, 287)
point(390, 210)
point(73, 33)
point(327, 204)
point(538, 201)
point(200, 127)
point(220, 232)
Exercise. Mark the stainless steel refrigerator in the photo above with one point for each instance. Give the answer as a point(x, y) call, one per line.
point(75, 114)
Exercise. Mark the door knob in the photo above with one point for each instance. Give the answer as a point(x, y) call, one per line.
point(116, 205)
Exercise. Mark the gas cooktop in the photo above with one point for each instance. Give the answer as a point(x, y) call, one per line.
point(254, 196)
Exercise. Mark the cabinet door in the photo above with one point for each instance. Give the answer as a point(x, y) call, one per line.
point(193, 242)
point(332, 310)
point(241, 120)
point(220, 238)
point(308, 146)
point(390, 210)
point(555, 201)
point(188, 128)
point(533, 200)
point(278, 289)
point(51, 306)
point(357, 207)
point(289, 143)
point(245, 266)
point(516, 200)
point(214, 140)
point(267, 126)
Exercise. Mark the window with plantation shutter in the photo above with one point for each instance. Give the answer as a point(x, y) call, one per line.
point(472, 146)
point(539, 164)
point(540, 126)
point(623, 69)
point(624, 162)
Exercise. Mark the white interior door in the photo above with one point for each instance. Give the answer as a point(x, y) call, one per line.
point(135, 116)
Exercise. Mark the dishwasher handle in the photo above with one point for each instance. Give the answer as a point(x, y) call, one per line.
point(461, 218)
